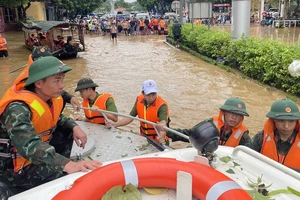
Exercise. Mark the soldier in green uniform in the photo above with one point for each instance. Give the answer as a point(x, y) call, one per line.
point(92, 99)
point(176, 30)
point(229, 123)
point(280, 138)
point(32, 152)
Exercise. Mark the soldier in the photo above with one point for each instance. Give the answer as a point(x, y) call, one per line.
point(176, 30)
point(32, 151)
point(280, 138)
point(92, 99)
point(38, 52)
point(229, 123)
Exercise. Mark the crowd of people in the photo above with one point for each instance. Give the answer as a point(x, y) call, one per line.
point(126, 26)
point(36, 138)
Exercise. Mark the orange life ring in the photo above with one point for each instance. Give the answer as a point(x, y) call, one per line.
point(207, 182)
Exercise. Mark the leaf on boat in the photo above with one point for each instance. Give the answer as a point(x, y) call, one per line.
point(257, 196)
point(235, 164)
point(279, 191)
point(124, 155)
point(120, 132)
point(295, 192)
point(129, 192)
point(225, 159)
point(230, 171)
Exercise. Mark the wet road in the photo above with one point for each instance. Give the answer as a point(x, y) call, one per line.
point(193, 89)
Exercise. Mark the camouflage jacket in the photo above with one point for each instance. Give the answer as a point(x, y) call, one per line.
point(244, 140)
point(16, 125)
point(282, 146)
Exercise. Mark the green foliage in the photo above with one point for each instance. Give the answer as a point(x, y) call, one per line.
point(264, 60)
point(12, 3)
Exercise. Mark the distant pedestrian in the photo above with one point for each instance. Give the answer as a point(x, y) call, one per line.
point(176, 30)
point(114, 32)
point(3, 47)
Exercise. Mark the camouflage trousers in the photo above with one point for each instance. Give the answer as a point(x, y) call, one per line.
point(34, 175)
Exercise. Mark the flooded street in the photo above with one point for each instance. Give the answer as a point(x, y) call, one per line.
point(193, 88)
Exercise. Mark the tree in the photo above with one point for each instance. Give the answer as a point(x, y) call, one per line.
point(75, 7)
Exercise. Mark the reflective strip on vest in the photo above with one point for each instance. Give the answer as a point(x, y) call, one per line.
point(130, 172)
point(238, 133)
point(216, 123)
point(6, 155)
point(4, 141)
point(220, 188)
point(298, 145)
point(37, 107)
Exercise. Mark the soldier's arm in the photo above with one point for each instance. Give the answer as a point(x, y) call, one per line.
point(66, 96)
point(111, 106)
point(17, 121)
point(187, 132)
point(256, 142)
point(245, 138)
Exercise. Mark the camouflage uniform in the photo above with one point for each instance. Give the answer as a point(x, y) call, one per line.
point(282, 146)
point(47, 162)
point(233, 105)
point(47, 159)
point(244, 140)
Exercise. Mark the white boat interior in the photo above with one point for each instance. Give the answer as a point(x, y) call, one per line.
point(241, 164)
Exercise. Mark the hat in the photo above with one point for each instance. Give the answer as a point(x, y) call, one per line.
point(235, 105)
point(85, 83)
point(45, 67)
point(41, 51)
point(284, 110)
point(149, 86)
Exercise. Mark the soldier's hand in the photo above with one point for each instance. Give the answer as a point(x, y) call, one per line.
point(83, 166)
point(79, 136)
point(75, 103)
point(162, 135)
point(109, 123)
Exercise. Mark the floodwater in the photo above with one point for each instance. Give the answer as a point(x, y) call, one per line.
point(193, 88)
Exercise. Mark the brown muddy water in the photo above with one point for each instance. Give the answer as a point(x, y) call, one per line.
point(193, 88)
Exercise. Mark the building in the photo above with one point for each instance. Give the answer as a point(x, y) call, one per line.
point(38, 11)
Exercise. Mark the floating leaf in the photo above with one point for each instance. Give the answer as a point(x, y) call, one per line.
point(295, 192)
point(230, 171)
point(225, 159)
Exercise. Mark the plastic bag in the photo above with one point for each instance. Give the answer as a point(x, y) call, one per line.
point(294, 68)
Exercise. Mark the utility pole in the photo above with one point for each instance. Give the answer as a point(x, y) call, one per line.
point(182, 2)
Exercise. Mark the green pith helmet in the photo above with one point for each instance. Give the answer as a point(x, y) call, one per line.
point(85, 83)
point(44, 67)
point(41, 51)
point(235, 105)
point(284, 110)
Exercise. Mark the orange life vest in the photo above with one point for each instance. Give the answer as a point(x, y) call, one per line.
point(155, 22)
point(24, 74)
point(43, 117)
point(142, 23)
point(96, 117)
point(162, 23)
point(237, 131)
point(150, 114)
point(269, 149)
point(2, 41)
